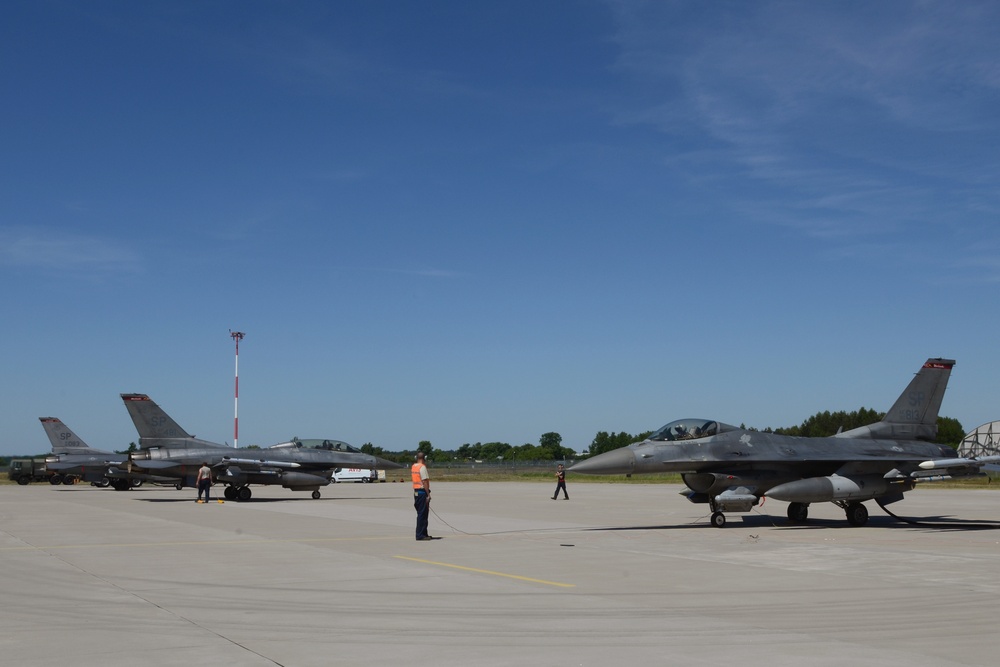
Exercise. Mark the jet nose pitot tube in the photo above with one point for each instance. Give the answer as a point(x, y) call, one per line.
point(616, 462)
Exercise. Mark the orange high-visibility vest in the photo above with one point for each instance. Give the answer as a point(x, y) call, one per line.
point(415, 473)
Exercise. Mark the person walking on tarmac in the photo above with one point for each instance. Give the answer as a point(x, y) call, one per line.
point(204, 482)
point(421, 496)
point(561, 483)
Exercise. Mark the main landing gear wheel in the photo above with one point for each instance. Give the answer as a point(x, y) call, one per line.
point(178, 486)
point(55, 480)
point(243, 493)
point(315, 495)
point(718, 519)
point(230, 493)
point(798, 512)
point(857, 514)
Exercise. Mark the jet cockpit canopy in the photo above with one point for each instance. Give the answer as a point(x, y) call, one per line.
point(690, 429)
point(318, 443)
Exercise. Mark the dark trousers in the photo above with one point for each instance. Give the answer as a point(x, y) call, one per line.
point(561, 485)
point(423, 510)
point(205, 486)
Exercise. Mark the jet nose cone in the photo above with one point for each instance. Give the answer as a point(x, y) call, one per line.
point(385, 464)
point(616, 462)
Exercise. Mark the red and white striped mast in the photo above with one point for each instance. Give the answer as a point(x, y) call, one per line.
point(237, 336)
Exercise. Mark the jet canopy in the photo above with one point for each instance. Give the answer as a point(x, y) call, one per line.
point(317, 443)
point(689, 429)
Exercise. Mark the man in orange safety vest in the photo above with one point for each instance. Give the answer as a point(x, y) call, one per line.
point(421, 496)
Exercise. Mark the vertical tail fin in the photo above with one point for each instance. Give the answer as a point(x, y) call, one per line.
point(920, 403)
point(150, 420)
point(914, 414)
point(63, 440)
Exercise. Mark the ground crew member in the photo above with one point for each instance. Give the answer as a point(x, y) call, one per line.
point(421, 496)
point(204, 482)
point(561, 483)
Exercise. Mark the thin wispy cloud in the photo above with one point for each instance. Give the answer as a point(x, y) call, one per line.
point(422, 273)
point(856, 118)
point(54, 250)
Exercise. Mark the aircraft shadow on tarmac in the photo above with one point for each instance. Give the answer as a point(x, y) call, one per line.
point(189, 499)
point(780, 523)
point(254, 501)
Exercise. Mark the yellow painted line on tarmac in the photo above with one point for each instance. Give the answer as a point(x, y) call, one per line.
point(490, 572)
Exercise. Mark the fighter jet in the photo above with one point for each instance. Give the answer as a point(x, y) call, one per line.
point(72, 459)
point(300, 465)
point(731, 468)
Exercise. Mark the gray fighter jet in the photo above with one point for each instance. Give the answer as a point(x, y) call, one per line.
point(731, 468)
point(72, 458)
point(300, 465)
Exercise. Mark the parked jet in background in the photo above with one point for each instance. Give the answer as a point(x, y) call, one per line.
point(299, 465)
point(72, 458)
point(731, 468)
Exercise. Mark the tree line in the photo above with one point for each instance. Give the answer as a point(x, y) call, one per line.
point(549, 448)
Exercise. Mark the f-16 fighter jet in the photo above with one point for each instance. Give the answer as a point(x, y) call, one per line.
point(72, 459)
point(731, 468)
point(167, 449)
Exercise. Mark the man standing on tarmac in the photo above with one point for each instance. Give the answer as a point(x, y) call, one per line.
point(421, 496)
point(204, 482)
point(560, 482)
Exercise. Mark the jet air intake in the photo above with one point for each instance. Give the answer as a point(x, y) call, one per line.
point(828, 489)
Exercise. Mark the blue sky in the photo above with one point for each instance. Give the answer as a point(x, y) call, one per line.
point(463, 222)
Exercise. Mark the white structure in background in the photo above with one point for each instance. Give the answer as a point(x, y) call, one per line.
point(981, 442)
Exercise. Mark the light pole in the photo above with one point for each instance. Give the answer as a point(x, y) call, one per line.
point(237, 336)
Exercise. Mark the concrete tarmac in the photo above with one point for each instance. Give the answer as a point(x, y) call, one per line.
point(618, 574)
